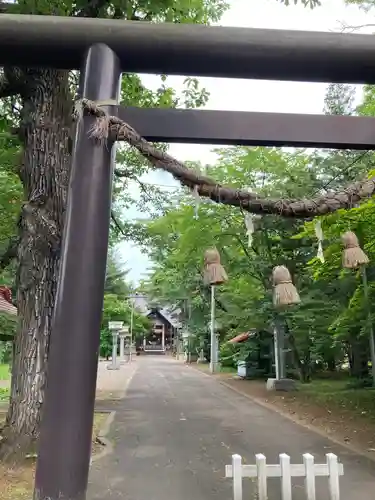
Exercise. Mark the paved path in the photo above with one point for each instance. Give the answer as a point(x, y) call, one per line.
point(177, 429)
point(111, 384)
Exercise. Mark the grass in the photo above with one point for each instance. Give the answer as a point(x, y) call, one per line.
point(18, 483)
point(228, 369)
point(331, 405)
point(4, 395)
point(332, 394)
point(336, 394)
point(205, 367)
point(4, 383)
point(4, 372)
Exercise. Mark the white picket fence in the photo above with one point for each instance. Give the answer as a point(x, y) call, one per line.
point(285, 471)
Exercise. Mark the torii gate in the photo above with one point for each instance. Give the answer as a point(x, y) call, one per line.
point(102, 49)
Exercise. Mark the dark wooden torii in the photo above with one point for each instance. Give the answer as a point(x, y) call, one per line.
point(102, 49)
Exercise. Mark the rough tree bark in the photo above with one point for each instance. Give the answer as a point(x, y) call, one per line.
point(44, 172)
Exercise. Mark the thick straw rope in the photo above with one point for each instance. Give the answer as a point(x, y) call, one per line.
point(107, 126)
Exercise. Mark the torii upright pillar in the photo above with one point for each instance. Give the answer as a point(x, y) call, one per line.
point(66, 430)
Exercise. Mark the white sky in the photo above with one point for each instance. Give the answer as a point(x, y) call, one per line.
point(252, 95)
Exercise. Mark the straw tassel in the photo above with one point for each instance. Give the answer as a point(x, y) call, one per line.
point(99, 131)
point(214, 272)
point(353, 256)
point(78, 110)
point(284, 293)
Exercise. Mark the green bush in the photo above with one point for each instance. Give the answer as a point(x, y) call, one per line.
point(8, 324)
point(5, 352)
point(8, 327)
point(4, 395)
point(227, 355)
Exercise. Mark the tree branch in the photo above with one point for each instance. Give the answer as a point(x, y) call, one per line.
point(347, 28)
point(218, 302)
point(209, 188)
point(117, 224)
point(123, 173)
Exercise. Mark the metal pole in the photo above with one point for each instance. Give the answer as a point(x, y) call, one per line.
point(277, 353)
point(281, 352)
point(131, 332)
point(279, 348)
point(66, 429)
point(369, 322)
point(213, 337)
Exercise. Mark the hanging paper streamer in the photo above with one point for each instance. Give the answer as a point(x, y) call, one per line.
point(249, 223)
point(197, 201)
point(319, 235)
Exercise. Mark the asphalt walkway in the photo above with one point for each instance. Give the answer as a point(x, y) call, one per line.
point(177, 428)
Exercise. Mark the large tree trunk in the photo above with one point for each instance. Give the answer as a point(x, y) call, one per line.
point(44, 172)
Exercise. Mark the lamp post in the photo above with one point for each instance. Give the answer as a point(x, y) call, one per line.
point(123, 334)
point(214, 274)
point(114, 327)
point(186, 344)
point(354, 257)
